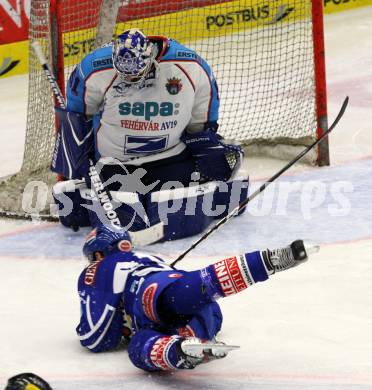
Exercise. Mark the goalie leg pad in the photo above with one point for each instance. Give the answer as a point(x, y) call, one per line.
point(181, 210)
point(184, 211)
point(74, 142)
point(78, 207)
point(237, 192)
point(189, 211)
point(68, 196)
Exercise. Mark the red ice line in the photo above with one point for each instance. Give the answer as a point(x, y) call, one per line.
point(287, 377)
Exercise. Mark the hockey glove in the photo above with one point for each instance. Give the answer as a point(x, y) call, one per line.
point(104, 242)
point(214, 159)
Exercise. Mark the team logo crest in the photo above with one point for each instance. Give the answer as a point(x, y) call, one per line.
point(173, 86)
point(121, 88)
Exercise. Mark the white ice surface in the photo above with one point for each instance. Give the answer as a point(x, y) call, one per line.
point(309, 328)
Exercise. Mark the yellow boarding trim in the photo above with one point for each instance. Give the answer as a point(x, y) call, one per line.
point(77, 44)
point(201, 23)
point(332, 6)
point(214, 20)
point(205, 22)
point(13, 58)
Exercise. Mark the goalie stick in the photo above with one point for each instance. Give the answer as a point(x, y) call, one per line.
point(144, 237)
point(242, 205)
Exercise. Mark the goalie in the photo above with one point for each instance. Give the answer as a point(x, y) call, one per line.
point(169, 317)
point(146, 109)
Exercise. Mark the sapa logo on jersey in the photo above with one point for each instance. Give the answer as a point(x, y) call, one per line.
point(148, 110)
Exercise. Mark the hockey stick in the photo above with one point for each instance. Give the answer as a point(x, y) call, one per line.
point(242, 205)
point(146, 236)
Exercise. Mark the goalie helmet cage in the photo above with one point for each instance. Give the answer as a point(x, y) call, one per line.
point(267, 56)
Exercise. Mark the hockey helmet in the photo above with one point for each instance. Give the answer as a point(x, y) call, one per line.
point(133, 56)
point(27, 381)
point(102, 241)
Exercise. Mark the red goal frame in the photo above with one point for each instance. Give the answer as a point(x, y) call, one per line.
point(323, 158)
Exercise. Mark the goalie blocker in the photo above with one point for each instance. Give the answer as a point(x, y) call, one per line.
point(185, 211)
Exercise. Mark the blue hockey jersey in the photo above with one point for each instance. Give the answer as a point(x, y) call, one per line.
point(119, 296)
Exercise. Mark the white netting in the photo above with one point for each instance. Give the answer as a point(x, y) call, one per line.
point(260, 51)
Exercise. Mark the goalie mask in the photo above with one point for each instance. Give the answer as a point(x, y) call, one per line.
point(133, 56)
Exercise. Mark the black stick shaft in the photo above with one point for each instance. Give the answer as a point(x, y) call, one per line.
point(265, 185)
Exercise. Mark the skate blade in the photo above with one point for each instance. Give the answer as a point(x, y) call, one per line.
point(197, 347)
point(311, 247)
point(147, 236)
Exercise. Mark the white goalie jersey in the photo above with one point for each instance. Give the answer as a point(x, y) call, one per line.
point(137, 124)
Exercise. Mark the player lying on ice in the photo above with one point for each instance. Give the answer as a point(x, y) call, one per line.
point(146, 107)
point(169, 316)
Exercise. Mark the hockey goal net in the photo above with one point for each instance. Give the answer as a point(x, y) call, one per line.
point(267, 56)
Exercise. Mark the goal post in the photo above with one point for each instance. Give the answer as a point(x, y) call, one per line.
point(267, 57)
point(320, 81)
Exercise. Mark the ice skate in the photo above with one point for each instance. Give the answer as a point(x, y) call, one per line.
point(281, 259)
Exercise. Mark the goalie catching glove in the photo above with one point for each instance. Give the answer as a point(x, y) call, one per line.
point(214, 159)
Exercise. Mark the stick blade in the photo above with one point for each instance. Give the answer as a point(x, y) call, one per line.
point(148, 236)
point(39, 52)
